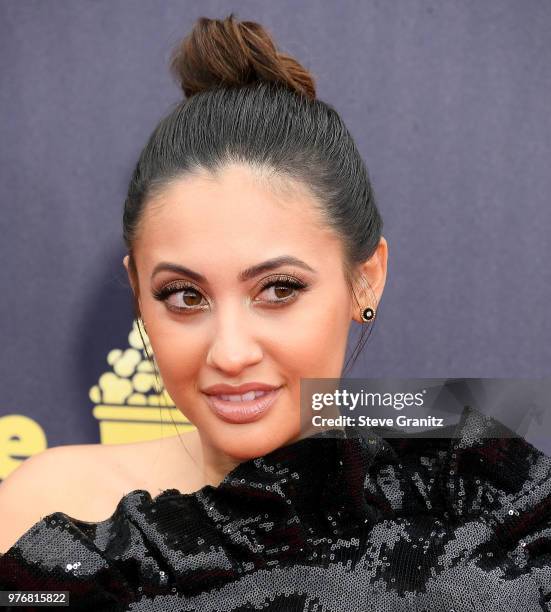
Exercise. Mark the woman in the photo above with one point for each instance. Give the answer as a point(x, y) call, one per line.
point(253, 240)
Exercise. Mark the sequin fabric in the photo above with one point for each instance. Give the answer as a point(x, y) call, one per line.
point(329, 523)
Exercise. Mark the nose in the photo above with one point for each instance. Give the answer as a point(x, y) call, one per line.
point(234, 346)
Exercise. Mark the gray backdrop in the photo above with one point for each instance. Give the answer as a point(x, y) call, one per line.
point(449, 104)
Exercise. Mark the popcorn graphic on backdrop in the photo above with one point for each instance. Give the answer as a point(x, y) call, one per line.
point(131, 403)
point(132, 381)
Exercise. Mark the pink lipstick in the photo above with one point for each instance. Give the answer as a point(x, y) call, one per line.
point(245, 408)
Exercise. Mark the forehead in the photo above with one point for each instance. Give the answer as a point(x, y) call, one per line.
point(249, 214)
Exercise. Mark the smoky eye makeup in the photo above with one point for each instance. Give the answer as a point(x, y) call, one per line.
point(190, 291)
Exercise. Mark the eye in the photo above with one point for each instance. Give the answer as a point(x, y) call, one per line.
point(288, 284)
point(185, 296)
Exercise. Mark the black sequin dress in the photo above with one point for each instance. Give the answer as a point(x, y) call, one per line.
point(329, 523)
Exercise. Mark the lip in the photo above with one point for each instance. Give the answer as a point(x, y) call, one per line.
point(242, 411)
point(240, 389)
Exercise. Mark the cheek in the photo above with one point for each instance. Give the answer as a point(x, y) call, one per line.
point(314, 344)
point(179, 360)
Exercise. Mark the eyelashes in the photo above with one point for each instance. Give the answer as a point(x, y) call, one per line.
point(189, 290)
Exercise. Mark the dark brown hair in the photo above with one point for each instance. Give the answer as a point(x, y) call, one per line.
point(230, 53)
point(246, 101)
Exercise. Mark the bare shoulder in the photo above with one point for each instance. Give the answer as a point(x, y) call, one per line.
point(30, 492)
point(86, 481)
point(59, 479)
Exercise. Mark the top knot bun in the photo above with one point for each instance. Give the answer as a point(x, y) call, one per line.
point(228, 52)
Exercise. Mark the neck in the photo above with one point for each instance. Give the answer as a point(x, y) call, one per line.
point(212, 464)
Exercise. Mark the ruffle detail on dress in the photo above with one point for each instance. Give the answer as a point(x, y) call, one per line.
point(343, 523)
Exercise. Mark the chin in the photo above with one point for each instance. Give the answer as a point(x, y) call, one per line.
point(249, 440)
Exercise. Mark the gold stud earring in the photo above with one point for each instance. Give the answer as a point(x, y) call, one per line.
point(368, 314)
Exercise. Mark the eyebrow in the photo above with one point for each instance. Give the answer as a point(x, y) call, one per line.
point(243, 276)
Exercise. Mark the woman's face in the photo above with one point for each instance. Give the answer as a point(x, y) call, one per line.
point(227, 330)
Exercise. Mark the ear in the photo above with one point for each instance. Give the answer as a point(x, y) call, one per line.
point(372, 278)
point(126, 263)
point(133, 284)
